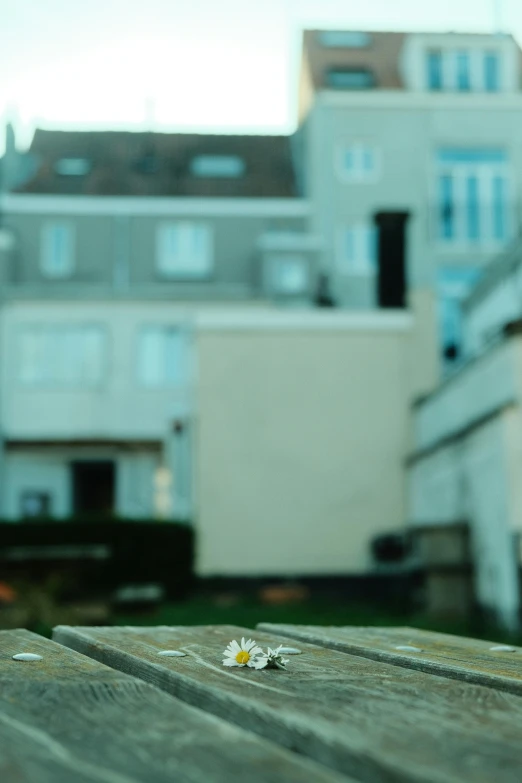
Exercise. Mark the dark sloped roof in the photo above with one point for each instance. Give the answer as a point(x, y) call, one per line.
point(381, 57)
point(158, 164)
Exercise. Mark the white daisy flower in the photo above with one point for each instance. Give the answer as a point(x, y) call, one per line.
point(244, 654)
point(272, 659)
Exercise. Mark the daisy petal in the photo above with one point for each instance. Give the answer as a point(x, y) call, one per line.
point(258, 663)
point(230, 662)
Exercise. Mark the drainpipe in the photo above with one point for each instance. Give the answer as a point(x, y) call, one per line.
point(121, 259)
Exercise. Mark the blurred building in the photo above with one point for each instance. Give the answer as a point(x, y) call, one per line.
point(232, 329)
point(414, 138)
point(467, 462)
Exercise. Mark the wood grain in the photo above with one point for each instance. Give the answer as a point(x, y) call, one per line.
point(70, 719)
point(374, 721)
point(470, 660)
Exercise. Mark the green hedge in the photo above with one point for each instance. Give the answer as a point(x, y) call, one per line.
point(141, 551)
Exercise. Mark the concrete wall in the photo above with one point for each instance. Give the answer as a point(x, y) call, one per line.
point(300, 441)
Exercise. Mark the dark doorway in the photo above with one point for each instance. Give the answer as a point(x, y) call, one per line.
point(391, 285)
point(93, 487)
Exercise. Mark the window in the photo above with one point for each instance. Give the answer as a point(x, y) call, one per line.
point(344, 39)
point(491, 72)
point(350, 78)
point(434, 68)
point(288, 274)
point(35, 504)
point(184, 249)
point(61, 355)
point(72, 167)
point(463, 70)
point(222, 166)
point(357, 162)
point(358, 250)
point(454, 284)
point(473, 197)
point(57, 250)
point(162, 356)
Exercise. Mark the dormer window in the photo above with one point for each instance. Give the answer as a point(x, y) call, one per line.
point(463, 70)
point(491, 72)
point(72, 167)
point(217, 166)
point(350, 78)
point(344, 39)
point(462, 67)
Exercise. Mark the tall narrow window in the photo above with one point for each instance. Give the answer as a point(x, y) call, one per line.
point(463, 72)
point(434, 70)
point(57, 250)
point(499, 208)
point(491, 72)
point(473, 207)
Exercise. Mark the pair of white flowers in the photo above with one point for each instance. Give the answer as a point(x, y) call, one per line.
point(248, 653)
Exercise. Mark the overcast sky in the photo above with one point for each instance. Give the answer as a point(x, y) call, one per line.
point(193, 64)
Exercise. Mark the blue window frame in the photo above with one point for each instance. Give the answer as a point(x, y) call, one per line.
point(499, 208)
point(473, 196)
point(434, 68)
point(463, 73)
point(491, 72)
point(350, 78)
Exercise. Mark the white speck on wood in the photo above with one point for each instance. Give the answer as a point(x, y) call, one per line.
point(503, 648)
point(290, 651)
point(172, 654)
point(27, 657)
point(408, 648)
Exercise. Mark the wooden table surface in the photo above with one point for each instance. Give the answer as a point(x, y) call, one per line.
point(102, 705)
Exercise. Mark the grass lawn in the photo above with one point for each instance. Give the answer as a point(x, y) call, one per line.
point(201, 610)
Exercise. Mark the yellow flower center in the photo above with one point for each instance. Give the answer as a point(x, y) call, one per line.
point(242, 656)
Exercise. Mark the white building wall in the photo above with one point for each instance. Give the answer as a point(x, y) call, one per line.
point(485, 319)
point(469, 481)
point(476, 391)
point(119, 407)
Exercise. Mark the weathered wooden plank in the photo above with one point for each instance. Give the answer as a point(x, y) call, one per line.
point(377, 722)
point(471, 660)
point(68, 718)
